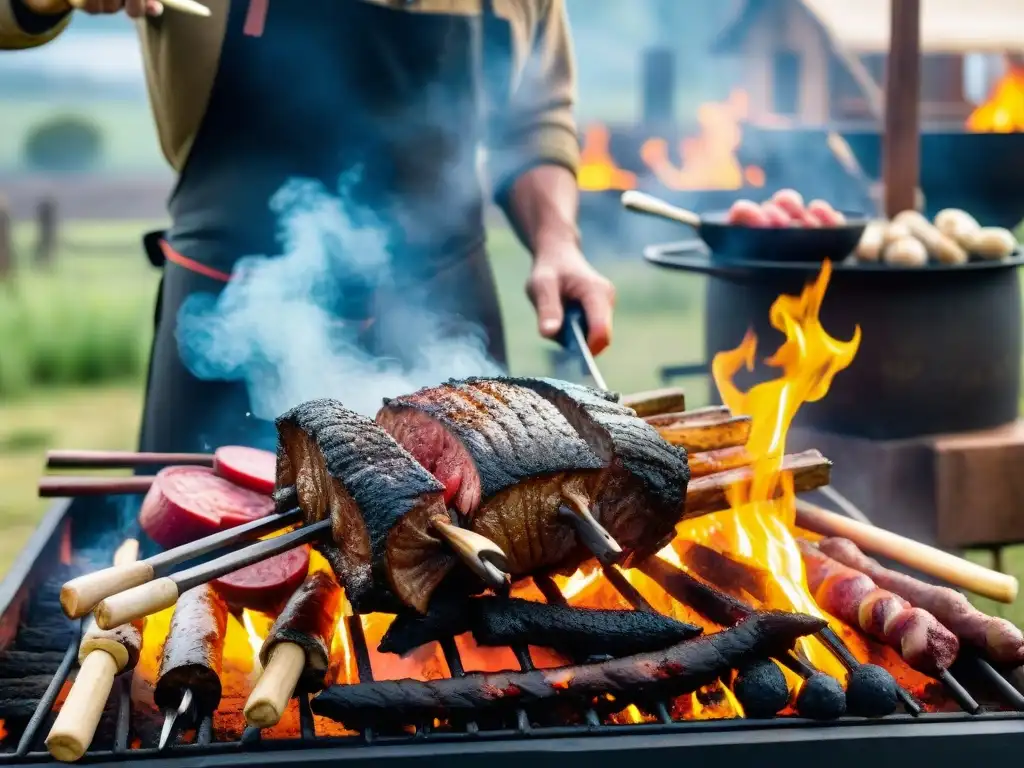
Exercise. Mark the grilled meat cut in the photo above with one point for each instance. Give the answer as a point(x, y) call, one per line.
point(998, 638)
point(642, 495)
point(379, 499)
point(309, 620)
point(577, 633)
point(852, 596)
point(193, 651)
point(679, 669)
point(508, 461)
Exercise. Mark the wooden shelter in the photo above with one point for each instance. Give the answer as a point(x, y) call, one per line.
point(821, 61)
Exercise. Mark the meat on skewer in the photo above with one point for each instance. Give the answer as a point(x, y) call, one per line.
point(852, 596)
point(297, 649)
point(574, 632)
point(391, 534)
point(997, 638)
point(102, 655)
point(682, 668)
point(641, 495)
point(511, 466)
point(192, 655)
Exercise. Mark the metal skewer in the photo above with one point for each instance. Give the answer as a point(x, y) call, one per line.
point(171, 717)
point(574, 336)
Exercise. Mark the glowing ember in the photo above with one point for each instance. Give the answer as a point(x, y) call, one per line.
point(598, 170)
point(1003, 112)
point(3, 730)
point(709, 160)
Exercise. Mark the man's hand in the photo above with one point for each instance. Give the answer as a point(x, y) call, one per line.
point(560, 274)
point(134, 8)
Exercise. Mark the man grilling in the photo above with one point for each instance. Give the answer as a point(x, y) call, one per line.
point(406, 91)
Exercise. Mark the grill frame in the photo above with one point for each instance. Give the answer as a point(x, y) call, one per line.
point(892, 740)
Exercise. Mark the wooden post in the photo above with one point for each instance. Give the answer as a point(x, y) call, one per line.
point(46, 234)
point(6, 241)
point(901, 146)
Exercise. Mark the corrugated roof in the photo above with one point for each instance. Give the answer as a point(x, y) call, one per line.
point(947, 26)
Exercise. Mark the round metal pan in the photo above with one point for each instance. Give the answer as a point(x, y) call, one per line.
point(734, 242)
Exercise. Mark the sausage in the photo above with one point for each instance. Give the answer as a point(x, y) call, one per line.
point(872, 241)
point(998, 638)
point(943, 249)
point(124, 643)
point(193, 651)
point(852, 596)
point(776, 216)
point(746, 213)
point(309, 620)
point(906, 252)
point(896, 231)
point(187, 503)
point(825, 214)
point(790, 201)
point(956, 224)
point(266, 585)
point(991, 243)
point(248, 467)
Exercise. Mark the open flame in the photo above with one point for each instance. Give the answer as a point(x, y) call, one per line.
point(1003, 111)
point(598, 170)
point(709, 160)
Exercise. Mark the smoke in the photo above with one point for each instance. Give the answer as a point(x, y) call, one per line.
point(277, 327)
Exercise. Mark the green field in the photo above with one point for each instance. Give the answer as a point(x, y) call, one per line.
point(92, 318)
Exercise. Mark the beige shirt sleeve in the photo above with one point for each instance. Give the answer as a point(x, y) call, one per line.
point(22, 28)
point(537, 125)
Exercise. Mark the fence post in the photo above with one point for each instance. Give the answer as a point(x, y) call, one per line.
point(47, 233)
point(6, 241)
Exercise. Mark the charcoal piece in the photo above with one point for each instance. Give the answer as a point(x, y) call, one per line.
point(643, 494)
point(380, 501)
point(193, 651)
point(19, 698)
point(508, 460)
point(309, 620)
point(575, 632)
point(446, 616)
point(821, 697)
point(761, 689)
point(681, 669)
point(17, 664)
point(871, 692)
point(54, 635)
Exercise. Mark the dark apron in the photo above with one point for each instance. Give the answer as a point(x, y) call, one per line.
point(313, 90)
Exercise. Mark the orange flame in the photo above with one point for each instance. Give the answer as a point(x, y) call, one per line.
point(1003, 111)
point(598, 170)
point(709, 160)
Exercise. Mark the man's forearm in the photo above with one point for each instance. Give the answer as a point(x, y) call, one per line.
point(542, 207)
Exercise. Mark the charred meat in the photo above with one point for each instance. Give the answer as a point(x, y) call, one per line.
point(193, 651)
point(379, 499)
point(682, 668)
point(508, 462)
point(642, 495)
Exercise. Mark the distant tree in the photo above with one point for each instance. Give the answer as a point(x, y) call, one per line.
point(68, 143)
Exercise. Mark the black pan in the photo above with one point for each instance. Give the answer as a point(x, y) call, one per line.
point(737, 242)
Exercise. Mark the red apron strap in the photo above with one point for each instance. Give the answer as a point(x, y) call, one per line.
point(193, 266)
point(256, 18)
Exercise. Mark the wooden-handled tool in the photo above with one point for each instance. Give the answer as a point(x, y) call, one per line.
point(102, 655)
point(151, 597)
point(82, 594)
point(913, 554)
point(191, 7)
point(297, 649)
point(641, 202)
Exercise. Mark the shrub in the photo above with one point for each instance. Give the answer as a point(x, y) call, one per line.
point(65, 143)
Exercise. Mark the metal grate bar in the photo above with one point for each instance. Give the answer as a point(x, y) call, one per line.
point(307, 724)
point(455, 668)
point(124, 713)
point(363, 666)
point(45, 706)
point(204, 734)
point(958, 693)
point(1003, 687)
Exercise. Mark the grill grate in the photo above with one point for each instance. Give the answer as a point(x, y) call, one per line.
point(30, 748)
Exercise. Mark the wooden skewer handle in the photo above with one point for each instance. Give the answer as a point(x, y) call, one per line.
point(913, 554)
point(82, 594)
point(136, 603)
point(122, 459)
point(276, 686)
point(641, 202)
point(76, 723)
point(190, 7)
point(67, 487)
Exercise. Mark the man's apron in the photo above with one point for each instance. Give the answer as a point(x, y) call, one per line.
point(314, 89)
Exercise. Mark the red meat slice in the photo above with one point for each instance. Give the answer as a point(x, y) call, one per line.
point(265, 586)
point(248, 467)
point(188, 503)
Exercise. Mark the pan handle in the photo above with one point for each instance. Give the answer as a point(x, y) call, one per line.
point(699, 262)
point(641, 202)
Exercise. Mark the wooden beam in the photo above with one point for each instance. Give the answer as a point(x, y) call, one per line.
point(901, 145)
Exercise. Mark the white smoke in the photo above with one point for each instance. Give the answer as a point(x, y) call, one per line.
point(273, 326)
